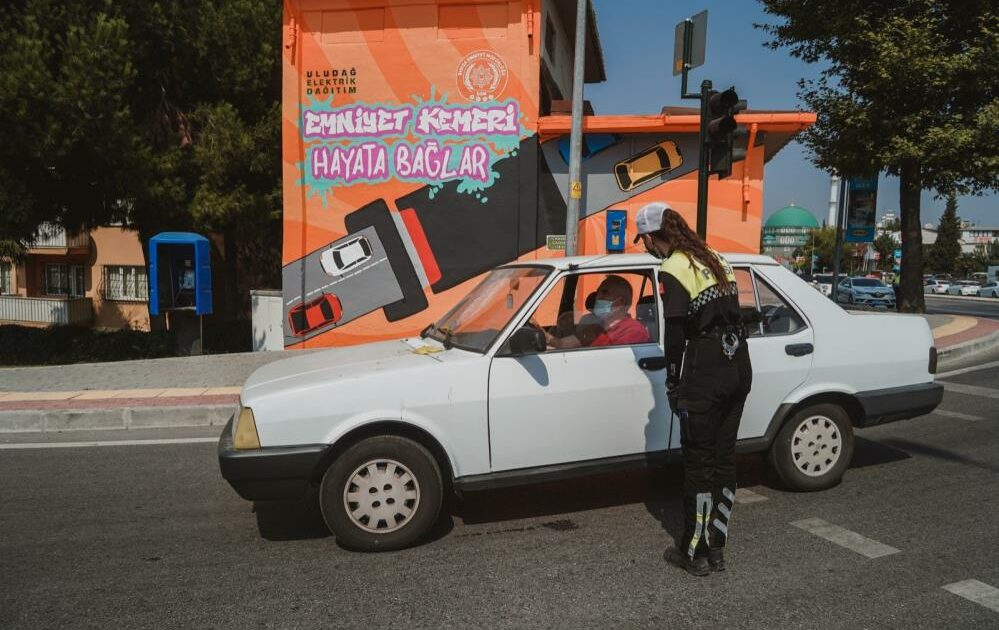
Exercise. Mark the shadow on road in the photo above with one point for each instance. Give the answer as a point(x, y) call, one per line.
point(290, 520)
point(871, 453)
point(937, 453)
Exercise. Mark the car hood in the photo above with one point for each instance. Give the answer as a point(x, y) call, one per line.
point(350, 362)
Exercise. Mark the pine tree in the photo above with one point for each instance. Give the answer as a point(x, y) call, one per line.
point(946, 251)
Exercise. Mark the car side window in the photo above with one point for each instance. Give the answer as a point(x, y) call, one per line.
point(592, 310)
point(747, 297)
point(778, 316)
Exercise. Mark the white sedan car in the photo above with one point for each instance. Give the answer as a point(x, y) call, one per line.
point(481, 401)
point(989, 290)
point(964, 287)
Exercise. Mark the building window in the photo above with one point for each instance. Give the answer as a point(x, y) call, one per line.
point(64, 280)
point(125, 282)
point(6, 278)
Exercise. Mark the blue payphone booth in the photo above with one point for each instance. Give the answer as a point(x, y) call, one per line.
point(180, 273)
point(617, 229)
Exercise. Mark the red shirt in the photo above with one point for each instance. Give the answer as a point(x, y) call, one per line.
point(623, 332)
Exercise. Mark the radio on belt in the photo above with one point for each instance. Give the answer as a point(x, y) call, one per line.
point(617, 227)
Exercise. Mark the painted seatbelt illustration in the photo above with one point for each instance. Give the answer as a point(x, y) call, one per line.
point(416, 159)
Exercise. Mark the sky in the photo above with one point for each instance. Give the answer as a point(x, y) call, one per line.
point(637, 41)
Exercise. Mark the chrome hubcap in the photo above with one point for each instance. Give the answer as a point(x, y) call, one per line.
point(381, 496)
point(816, 445)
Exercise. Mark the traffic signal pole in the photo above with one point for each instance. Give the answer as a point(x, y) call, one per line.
point(702, 163)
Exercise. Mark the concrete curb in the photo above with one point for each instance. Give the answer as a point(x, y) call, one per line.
point(970, 347)
point(47, 420)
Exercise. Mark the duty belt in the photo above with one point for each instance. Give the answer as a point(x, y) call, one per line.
point(730, 336)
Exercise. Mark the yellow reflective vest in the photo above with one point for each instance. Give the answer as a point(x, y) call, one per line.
point(692, 275)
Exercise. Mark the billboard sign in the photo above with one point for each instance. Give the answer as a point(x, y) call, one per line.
point(862, 204)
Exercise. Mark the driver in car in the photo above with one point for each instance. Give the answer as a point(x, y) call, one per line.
point(616, 325)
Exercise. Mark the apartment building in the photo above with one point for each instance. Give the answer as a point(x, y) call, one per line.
point(97, 278)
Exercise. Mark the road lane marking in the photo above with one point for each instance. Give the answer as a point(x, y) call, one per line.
point(744, 496)
point(845, 538)
point(975, 591)
point(956, 414)
point(38, 445)
point(972, 390)
point(968, 370)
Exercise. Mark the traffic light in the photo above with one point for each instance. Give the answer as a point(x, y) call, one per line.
point(723, 140)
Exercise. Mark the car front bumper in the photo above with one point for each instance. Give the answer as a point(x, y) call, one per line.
point(269, 473)
point(898, 403)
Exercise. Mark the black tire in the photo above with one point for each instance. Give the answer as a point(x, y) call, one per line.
point(829, 422)
point(426, 479)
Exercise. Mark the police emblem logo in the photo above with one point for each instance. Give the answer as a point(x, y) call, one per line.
point(481, 76)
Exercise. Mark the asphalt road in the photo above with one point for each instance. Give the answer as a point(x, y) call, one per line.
point(151, 537)
point(958, 305)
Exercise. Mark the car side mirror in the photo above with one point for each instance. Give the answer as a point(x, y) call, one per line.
point(527, 340)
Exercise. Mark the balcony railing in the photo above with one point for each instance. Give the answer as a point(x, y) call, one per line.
point(52, 311)
point(54, 237)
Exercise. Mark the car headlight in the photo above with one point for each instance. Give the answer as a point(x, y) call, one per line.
point(245, 436)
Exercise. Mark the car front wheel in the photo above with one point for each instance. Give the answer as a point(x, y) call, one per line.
point(381, 494)
point(814, 448)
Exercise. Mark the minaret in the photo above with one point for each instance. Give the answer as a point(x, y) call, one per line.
point(833, 200)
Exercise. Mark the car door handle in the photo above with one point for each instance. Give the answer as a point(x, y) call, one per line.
point(799, 349)
point(652, 363)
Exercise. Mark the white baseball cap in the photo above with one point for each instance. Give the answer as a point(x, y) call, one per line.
point(650, 218)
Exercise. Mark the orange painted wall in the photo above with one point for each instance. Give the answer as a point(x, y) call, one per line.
point(115, 246)
point(404, 53)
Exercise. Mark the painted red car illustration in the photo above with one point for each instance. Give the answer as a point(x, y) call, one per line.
point(305, 317)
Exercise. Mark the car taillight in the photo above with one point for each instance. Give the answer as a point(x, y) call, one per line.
point(933, 360)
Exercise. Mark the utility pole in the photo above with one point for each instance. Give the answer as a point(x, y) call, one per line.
point(838, 252)
point(576, 134)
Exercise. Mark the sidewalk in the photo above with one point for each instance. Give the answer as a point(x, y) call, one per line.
point(204, 391)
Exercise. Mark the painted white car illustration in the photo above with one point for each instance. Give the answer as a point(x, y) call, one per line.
point(482, 401)
point(339, 259)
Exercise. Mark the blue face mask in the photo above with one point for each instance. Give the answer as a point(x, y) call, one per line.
point(603, 308)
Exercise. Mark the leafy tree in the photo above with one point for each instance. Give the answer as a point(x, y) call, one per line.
point(992, 252)
point(162, 115)
point(944, 253)
point(822, 243)
point(910, 88)
point(885, 245)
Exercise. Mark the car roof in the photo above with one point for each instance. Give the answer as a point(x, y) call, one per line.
point(632, 260)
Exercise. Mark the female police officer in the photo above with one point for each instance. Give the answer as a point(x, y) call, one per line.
point(708, 376)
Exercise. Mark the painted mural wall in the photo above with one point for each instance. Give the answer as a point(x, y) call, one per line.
point(413, 164)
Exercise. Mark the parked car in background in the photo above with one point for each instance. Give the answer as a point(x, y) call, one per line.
point(989, 290)
point(383, 431)
point(823, 282)
point(866, 292)
point(936, 287)
point(964, 287)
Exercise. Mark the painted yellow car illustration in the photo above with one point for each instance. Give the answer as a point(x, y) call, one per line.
point(647, 165)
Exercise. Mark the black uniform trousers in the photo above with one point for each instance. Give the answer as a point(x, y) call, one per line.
point(712, 395)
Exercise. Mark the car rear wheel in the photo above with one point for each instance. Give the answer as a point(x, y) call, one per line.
point(814, 448)
point(381, 494)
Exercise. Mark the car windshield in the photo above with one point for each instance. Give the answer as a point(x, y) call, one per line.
point(475, 321)
point(867, 282)
point(823, 279)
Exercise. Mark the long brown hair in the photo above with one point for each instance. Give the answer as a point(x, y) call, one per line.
point(675, 235)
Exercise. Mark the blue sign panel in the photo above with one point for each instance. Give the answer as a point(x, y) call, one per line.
point(180, 273)
point(617, 227)
point(862, 197)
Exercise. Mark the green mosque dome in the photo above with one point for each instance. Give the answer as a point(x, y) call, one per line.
point(792, 216)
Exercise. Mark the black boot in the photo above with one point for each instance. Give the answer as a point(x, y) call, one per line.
point(716, 558)
point(698, 566)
